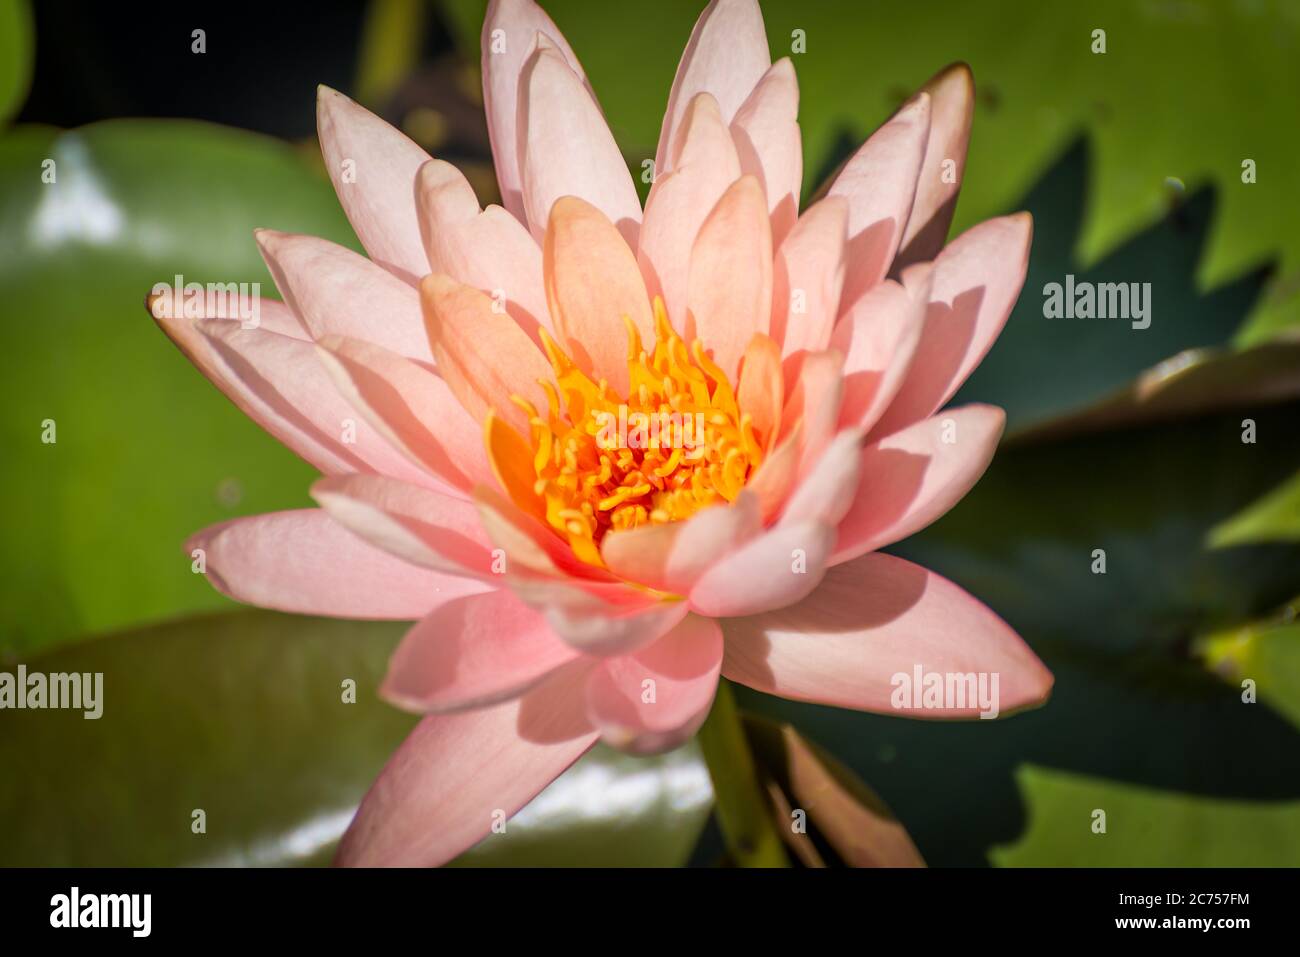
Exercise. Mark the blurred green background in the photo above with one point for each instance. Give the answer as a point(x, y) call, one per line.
point(1131, 162)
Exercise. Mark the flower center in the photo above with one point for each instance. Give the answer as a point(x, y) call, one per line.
point(678, 442)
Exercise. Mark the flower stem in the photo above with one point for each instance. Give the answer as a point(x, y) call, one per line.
point(742, 808)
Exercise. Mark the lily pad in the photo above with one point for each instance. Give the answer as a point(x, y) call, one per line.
point(247, 718)
point(1134, 703)
point(145, 450)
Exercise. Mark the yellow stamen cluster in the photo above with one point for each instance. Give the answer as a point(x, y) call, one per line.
point(676, 443)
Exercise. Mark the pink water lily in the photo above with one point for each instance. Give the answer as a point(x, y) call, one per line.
point(452, 387)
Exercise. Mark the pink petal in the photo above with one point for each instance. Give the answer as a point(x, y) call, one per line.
point(416, 524)
point(567, 149)
point(878, 339)
point(776, 475)
point(777, 568)
point(767, 135)
point(373, 169)
point(337, 292)
point(873, 619)
point(609, 630)
point(510, 30)
point(912, 477)
point(952, 101)
point(456, 774)
point(879, 182)
point(490, 250)
point(289, 393)
point(828, 492)
point(592, 283)
point(977, 279)
point(471, 652)
point(318, 450)
point(672, 557)
point(482, 353)
point(808, 277)
point(410, 406)
point(726, 56)
point(170, 314)
point(729, 289)
point(814, 401)
point(304, 562)
point(679, 202)
point(678, 675)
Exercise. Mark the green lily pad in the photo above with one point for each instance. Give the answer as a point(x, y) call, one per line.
point(146, 449)
point(1134, 702)
point(1064, 808)
point(1055, 374)
point(1184, 94)
point(243, 716)
point(1273, 518)
point(1261, 659)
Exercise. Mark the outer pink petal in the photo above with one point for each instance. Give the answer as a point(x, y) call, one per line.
point(767, 135)
point(291, 395)
point(776, 569)
point(727, 55)
point(337, 292)
point(510, 30)
point(410, 406)
point(373, 169)
point(878, 339)
point(442, 790)
point(729, 289)
point(977, 279)
point(672, 557)
point(488, 249)
point(679, 202)
point(873, 619)
point(318, 450)
point(567, 149)
point(304, 562)
point(808, 278)
point(912, 477)
point(657, 698)
point(879, 182)
point(416, 524)
point(952, 101)
point(470, 652)
point(272, 317)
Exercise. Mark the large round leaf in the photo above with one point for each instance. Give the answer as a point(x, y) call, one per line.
point(245, 716)
point(1133, 704)
point(146, 450)
point(1184, 92)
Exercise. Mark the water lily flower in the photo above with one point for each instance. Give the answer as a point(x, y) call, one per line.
point(573, 581)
